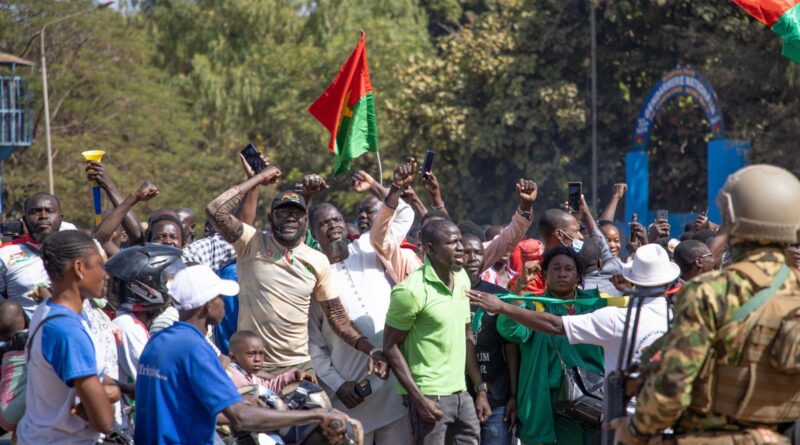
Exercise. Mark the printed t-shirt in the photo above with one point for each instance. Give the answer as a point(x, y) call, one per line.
point(180, 389)
point(604, 327)
point(62, 351)
point(22, 271)
point(435, 318)
point(489, 347)
point(276, 285)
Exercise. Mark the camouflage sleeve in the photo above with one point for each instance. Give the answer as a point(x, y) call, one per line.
point(667, 392)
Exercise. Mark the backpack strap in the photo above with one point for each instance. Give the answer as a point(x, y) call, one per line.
point(763, 295)
point(33, 334)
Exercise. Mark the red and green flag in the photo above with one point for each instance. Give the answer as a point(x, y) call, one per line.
point(347, 110)
point(782, 17)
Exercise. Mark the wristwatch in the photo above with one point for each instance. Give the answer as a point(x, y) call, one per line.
point(482, 387)
point(527, 214)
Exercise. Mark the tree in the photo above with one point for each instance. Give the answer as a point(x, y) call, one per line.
point(105, 94)
point(507, 95)
point(252, 68)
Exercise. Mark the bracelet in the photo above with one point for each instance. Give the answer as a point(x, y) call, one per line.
point(438, 207)
point(527, 214)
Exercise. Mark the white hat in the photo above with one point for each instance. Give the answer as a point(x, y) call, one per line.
point(651, 267)
point(197, 285)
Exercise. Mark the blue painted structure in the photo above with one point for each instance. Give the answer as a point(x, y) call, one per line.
point(724, 156)
point(16, 123)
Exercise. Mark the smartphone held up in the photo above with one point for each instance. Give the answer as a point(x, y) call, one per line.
point(253, 158)
point(574, 193)
point(427, 164)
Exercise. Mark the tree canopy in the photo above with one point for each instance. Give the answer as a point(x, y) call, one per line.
point(499, 88)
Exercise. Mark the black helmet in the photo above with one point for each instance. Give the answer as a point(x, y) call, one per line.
point(141, 275)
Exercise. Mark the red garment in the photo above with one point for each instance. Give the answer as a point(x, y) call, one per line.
point(527, 250)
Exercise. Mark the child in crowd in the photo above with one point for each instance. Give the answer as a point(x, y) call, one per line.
point(14, 334)
point(247, 351)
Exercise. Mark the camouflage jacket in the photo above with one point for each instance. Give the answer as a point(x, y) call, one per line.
point(704, 305)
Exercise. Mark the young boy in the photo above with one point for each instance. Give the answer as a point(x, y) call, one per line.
point(247, 354)
point(14, 334)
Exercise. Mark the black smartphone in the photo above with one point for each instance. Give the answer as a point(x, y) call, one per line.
point(574, 192)
point(11, 228)
point(363, 388)
point(662, 215)
point(705, 213)
point(427, 164)
point(253, 158)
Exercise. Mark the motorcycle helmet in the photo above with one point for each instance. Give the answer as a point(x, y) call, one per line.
point(141, 275)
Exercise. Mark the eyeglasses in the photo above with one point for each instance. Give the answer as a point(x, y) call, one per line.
point(285, 212)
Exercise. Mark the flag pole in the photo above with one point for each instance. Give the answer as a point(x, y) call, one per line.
point(380, 168)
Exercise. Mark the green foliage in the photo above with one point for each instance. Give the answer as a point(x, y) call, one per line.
point(252, 69)
point(507, 96)
point(499, 88)
point(105, 94)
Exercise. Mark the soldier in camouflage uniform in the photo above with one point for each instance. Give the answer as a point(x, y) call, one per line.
point(709, 338)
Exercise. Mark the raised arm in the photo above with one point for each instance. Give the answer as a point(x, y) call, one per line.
point(410, 196)
point(610, 211)
point(221, 210)
point(594, 230)
point(386, 246)
point(363, 182)
point(431, 185)
point(311, 185)
point(520, 222)
point(96, 172)
point(105, 231)
point(246, 212)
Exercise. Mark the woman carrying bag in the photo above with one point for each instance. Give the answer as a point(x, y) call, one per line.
point(551, 367)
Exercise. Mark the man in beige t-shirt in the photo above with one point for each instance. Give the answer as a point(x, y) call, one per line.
point(278, 275)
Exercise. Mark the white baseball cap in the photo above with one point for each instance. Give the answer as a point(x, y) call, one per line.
point(651, 267)
point(197, 285)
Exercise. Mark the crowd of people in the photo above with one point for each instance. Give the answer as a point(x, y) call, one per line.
point(411, 327)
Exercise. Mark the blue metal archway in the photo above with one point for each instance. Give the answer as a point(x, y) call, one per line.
point(724, 156)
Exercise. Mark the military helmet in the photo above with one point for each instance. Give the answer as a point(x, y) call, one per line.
point(761, 203)
point(141, 275)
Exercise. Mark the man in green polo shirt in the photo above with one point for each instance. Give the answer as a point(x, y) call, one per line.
point(426, 343)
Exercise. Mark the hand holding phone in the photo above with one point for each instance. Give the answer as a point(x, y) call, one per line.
point(662, 215)
point(253, 159)
point(574, 191)
point(427, 164)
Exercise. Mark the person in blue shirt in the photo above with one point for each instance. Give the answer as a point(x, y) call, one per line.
point(63, 361)
point(182, 389)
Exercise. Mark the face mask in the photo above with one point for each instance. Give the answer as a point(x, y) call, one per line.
point(577, 244)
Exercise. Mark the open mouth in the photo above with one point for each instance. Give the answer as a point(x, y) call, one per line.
point(289, 230)
point(335, 235)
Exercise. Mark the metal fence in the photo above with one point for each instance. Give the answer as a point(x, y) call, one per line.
point(16, 123)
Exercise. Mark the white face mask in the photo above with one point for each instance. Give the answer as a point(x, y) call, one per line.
point(577, 244)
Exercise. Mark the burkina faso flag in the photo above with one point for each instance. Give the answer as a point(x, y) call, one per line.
point(782, 17)
point(347, 110)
